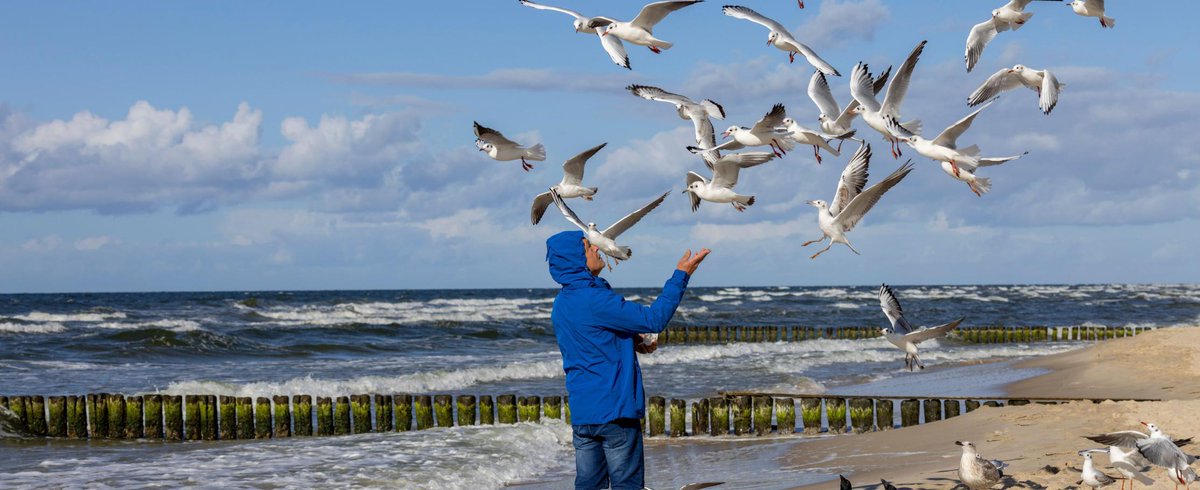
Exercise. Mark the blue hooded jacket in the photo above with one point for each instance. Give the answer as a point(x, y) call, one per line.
point(597, 331)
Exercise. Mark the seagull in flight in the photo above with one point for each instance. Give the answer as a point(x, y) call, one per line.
point(725, 176)
point(902, 334)
point(640, 30)
point(781, 38)
point(1043, 82)
point(698, 112)
point(571, 185)
point(606, 240)
point(503, 149)
point(1011, 16)
point(765, 132)
point(874, 113)
point(612, 45)
point(835, 121)
point(851, 202)
point(1093, 8)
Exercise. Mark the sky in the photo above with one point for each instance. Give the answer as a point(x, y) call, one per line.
point(184, 146)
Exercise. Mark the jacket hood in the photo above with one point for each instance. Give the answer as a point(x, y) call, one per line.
point(568, 264)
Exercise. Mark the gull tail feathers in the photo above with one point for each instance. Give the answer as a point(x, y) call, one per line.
point(1108, 22)
point(982, 185)
point(744, 200)
point(536, 153)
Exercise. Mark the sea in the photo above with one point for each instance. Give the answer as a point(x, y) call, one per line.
point(490, 342)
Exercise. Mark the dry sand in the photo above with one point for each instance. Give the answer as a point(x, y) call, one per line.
point(1154, 365)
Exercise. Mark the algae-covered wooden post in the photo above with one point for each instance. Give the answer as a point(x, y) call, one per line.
point(133, 417)
point(324, 416)
point(423, 411)
point(810, 415)
point(262, 418)
point(785, 415)
point(208, 420)
point(191, 416)
point(245, 417)
point(835, 414)
point(762, 407)
point(506, 409)
point(227, 408)
point(992, 403)
point(862, 414)
point(283, 417)
point(402, 403)
point(933, 410)
point(97, 424)
point(1017, 403)
point(951, 407)
point(302, 415)
point(718, 420)
point(740, 411)
point(341, 416)
point(20, 408)
point(77, 417)
point(173, 417)
point(700, 413)
point(466, 409)
point(910, 413)
point(56, 416)
point(656, 413)
point(487, 410)
point(116, 415)
point(971, 405)
point(884, 419)
point(35, 413)
point(567, 410)
point(383, 413)
point(360, 410)
point(678, 413)
point(443, 410)
point(552, 406)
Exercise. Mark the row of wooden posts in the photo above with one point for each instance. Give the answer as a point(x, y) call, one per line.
point(210, 417)
point(980, 334)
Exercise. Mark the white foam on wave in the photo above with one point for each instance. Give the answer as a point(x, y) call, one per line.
point(6, 327)
point(846, 306)
point(38, 316)
point(386, 313)
point(170, 324)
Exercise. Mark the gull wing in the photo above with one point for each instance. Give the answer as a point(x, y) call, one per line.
point(899, 86)
point(1049, 93)
point(1124, 438)
point(1093, 4)
point(746, 13)
point(566, 211)
point(706, 137)
point(853, 179)
point(725, 171)
point(980, 36)
point(694, 177)
point(713, 109)
point(573, 168)
point(615, 49)
point(858, 207)
point(625, 223)
point(891, 309)
point(949, 137)
point(771, 120)
point(862, 88)
point(819, 92)
point(539, 6)
point(988, 162)
point(1017, 5)
point(926, 333)
point(896, 128)
point(881, 80)
point(813, 58)
point(654, 93)
point(1162, 452)
point(989, 469)
point(1001, 81)
point(654, 13)
point(540, 203)
point(489, 135)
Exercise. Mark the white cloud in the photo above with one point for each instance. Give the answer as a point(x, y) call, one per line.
point(95, 242)
point(43, 244)
point(838, 22)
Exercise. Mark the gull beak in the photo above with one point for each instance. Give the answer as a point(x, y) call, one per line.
point(1010, 70)
point(811, 203)
point(685, 191)
point(1143, 423)
point(605, 33)
point(725, 134)
point(770, 41)
point(958, 443)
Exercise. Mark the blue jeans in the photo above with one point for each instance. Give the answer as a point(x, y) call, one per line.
point(609, 454)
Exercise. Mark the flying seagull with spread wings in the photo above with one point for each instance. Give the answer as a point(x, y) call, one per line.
point(1041, 81)
point(571, 185)
point(503, 149)
point(698, 112)
point(611, 44)
point(902, 334)
point(852, 202)
point(725, 176)
point(606, 240)
point(1011, 16)
point(874, 113)
point(781, 38)
point(640, 30)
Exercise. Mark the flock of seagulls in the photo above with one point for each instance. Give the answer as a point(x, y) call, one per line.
point(780, 133)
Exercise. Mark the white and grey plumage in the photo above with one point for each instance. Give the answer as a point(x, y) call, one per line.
point(725, 176)
point(781, 38)
point(1011, 16)
point(852, 202)
point(975, 472)
point(836, 122)
point(1093, 8)
point(874, 113)
point(1043, 82)
point(1091, 476)
point(698, 112)
point(804, 136)
point(958, 163)
point(1156, 447)
point(902, 334)
point(1128, 463)
point(765, 132)
point(606, 240)
point(571, 185)
point(640, 30)
point(503, 149)
point(611, 44)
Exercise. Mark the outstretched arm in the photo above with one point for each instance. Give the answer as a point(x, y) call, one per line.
point(624, 316)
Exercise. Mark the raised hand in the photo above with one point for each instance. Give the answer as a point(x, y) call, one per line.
point(689, 262)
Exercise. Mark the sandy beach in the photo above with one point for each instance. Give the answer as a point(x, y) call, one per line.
point(1039, 442)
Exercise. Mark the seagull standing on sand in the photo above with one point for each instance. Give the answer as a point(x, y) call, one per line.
point(862, 87)
point(851, 202)
point(835, 121)
point(902, 334)
point(1093, 8)
point(781, 38)
point(612, 45)
point(1041, 81)
point(1156, 447)
point(571, 185)
point(640, 30)
point(975, 472)
point(725, 176)
point(606, 240)
point(1092, 477)
point(764, 133)
point(697, 112)
point(503, 149)
point(960, 164)
point(1011, 16)
point(1129, 463)
point(805, 136)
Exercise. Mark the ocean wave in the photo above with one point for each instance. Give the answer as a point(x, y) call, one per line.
point(406, 312)
point(846, 306)
point(169, 324)
point(6, 327)
point(38, 316)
